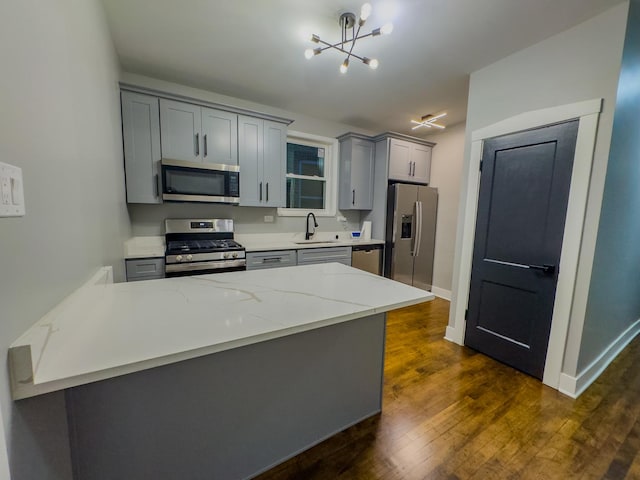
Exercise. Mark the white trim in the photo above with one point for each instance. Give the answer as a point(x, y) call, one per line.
point(588, 113)
point(441, 293)
point(575, 386)
point(331, 174)
point(538, 118)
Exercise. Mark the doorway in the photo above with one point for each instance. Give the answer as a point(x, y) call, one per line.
point(570, 301)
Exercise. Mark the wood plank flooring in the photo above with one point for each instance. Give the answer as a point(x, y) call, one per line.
point(452, 413)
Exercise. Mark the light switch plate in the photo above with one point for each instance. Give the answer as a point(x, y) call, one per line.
point(11, 191)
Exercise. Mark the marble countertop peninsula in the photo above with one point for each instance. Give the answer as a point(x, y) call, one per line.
point(105, 330)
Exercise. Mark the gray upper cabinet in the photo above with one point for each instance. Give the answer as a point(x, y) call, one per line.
point(356, 173)
point(198, 134)
point(141, 138)
point(409, 162)
point(180, 126)
point(262, 157)
point(219, 136)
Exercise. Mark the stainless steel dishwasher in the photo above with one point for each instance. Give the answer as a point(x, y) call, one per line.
point(367, 257)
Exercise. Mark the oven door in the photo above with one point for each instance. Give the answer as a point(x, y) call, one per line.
point(202, 268)
point(200, 182)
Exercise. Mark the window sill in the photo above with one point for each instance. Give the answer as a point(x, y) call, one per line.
point(301, 212)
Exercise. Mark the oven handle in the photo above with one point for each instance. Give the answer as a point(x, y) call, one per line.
point(195, 266)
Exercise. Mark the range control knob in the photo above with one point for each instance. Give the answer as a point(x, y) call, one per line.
point(235, 255)
point(179, 258)
point(189, 257)
point(227, 255)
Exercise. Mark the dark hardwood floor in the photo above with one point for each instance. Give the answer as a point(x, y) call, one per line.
point(451, 413)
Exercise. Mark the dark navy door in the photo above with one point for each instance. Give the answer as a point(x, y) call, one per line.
point(522, 205)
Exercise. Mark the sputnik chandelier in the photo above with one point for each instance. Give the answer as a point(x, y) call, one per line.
point(350, 27)
point(429, 121)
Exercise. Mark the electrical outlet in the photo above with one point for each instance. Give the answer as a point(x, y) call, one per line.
point(11, 190)
point(268, 219)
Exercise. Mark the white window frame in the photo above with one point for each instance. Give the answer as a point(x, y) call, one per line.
point(330, 146)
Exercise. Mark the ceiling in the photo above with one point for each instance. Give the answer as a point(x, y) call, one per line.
point(254, 50)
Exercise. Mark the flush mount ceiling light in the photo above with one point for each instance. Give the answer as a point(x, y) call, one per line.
point(350, 27)
point(429, 121)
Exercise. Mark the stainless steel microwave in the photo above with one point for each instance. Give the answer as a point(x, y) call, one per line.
point(200, 182)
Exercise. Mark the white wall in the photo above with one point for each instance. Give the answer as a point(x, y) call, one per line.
point(59, 122)
point(148, 219)
point(446, 171)
point(614, 294)
point(579, 64)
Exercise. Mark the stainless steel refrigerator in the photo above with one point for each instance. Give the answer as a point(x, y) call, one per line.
point(411, 234)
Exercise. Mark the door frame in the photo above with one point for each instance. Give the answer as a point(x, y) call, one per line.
point(587, 113)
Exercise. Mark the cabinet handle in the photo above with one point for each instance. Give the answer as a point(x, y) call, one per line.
point(267, 191)
point(197, 144)
point(272, 260)
point(260, 191)
point(353, 197)
point(414, 169)
point(205, 144)
point(410, 168)
point(156, 188)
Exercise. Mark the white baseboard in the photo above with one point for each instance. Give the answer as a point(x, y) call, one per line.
point(441, 293)
point(575, 386)
point(453, 335)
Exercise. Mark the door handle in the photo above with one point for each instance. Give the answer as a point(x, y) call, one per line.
point(416, 250)
point(205, 144)
point(197, 144)
point(547, 269)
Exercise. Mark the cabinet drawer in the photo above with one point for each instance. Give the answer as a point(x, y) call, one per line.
point(274, 259)
point(325, 255)
point(144, 268)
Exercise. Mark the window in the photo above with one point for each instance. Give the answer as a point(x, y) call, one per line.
point(310, 175)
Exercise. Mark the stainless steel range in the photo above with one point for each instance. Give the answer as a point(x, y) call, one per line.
point(199, 246)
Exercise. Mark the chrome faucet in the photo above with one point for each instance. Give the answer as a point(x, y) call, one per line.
point(308, 234)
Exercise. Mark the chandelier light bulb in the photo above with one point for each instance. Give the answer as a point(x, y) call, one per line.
point(308, 53)
point(386, 29)
point(365, 11)
point(344, 67)
point(373, 64)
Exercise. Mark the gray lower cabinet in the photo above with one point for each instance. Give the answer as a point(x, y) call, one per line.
point(311, 256)
point(356, 173)
point(141, 139)
point(144, 268)
point(262, 150)
point(272, 259)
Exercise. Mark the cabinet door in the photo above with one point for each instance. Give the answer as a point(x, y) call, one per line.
point(141, 136)
point(219, 137)
point(362, 175)
point(400, 167)
point(275, 158)
point(181, 125)
point(421, 156)
point(250, 160)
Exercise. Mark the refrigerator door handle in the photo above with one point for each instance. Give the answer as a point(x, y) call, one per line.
point(418, 234)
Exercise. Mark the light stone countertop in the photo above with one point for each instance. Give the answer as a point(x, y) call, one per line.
point(154, 246)
point(105, 330)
